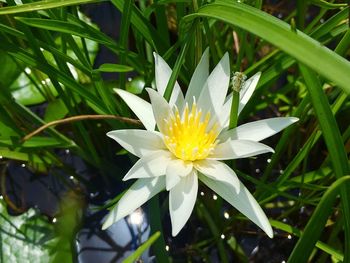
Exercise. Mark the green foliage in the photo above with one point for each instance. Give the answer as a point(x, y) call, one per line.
point(47, 54)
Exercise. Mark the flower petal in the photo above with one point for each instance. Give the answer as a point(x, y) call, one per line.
point(245, 94)
point(163, 73)
point(247, 90)
point(139, 193)
point(198, 79)
point(138, 142)
point(182, 198)
point(257, 130)
point(218, 171)
point(235, 149)
point(151, 165)
point(176, 169)
point(243, 201)
point(214, 91)
point(141, 108)
point(161, 109)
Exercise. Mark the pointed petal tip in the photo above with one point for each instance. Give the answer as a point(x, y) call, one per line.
point(106, 224)
point(174, 233)
point(269, 231)
point(294, 119)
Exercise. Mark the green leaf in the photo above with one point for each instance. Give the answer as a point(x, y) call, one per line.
point(327, 5)
point(292, 230)
point(55, 110)
point(296, 44)
point(42, 5)
point(316, 223)
point(114, 68)
point(23, 156)
point(334, 142)
point(138, 252)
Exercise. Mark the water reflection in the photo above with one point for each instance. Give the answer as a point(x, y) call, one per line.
point(117, 242)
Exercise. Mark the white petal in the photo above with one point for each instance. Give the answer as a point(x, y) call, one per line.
point(243, 201)
point(245, 94)
point(182, 198)
point(151, 165)
point(161, 109)
point(218, 171)
point(235, 149)
point(257, 130)
point(139, 193)
point(141, 108)
point(247, 90)
point(138, 142)
point(198, 79)
point(214, 91)
point(163, 73)
point(176, 169)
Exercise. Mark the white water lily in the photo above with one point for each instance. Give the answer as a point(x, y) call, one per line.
point(191, 139)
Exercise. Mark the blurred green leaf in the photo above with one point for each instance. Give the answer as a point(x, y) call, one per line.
point(42, 5)
point(114, 68)
point(296, 44)
point(138, 252)
point(55, 110)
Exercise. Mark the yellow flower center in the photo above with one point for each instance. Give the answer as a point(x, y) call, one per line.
point(188, 137)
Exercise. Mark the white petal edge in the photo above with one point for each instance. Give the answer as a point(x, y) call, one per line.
point(175, 170)
point(198, 79)
point(182, 198)
point(215, 89)
point(161, 109)
point(162, 75)
point(139, 193)
point(248, 90)
point(138, 142)
point(236, 149)
point(151, 165)
point(218, 171)
point(141, 108)
point(257, 130)
point(243, 202)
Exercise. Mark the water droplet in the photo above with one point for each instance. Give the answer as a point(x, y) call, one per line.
point(1, 197)
point(202, 193)
point(129, 79)
point(167, 248)
point(23, 165)
point(281, 171)
point(280, 15)
point(71, 177)
point(54, 220)
point(215, 197)
point(67, 151)
point(28, 70)
point(1, 157)
point(289, 237)
point(268, 160)
point(257, 170)
point(222, 236)
point(226, 215)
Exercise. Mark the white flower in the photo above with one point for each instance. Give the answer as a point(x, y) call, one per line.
point(191, 140)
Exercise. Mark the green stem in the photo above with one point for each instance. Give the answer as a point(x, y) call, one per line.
point(234, 110)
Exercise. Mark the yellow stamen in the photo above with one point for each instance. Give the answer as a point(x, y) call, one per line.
point(188, 137)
